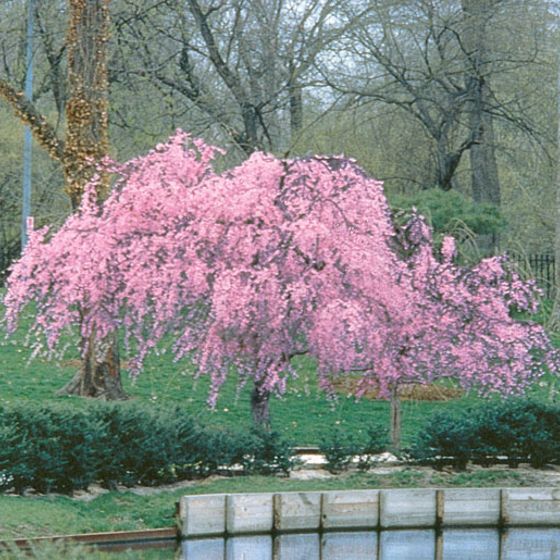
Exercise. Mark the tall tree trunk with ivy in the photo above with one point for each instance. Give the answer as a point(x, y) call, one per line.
point(87, 120)
point(87, 143)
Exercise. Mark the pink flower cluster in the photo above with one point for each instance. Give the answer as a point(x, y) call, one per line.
point(274, 258)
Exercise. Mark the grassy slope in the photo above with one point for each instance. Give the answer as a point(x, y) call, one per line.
point(115, 511)
point(304, 414)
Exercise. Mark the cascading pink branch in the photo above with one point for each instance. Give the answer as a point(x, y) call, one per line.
point(272, 259)
point(456, 323)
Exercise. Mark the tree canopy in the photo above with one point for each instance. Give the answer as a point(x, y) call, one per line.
point(274, 258)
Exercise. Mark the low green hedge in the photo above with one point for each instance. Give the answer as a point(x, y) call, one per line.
point(341, 449)
point(58, 448)
point(519, 430)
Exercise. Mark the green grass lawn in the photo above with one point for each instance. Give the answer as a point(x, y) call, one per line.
point(120, 511)
point(303, 414)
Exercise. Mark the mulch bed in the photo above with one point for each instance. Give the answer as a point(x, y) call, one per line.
point(411, 392)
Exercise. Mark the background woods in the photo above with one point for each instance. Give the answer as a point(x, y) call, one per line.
point(456, 95)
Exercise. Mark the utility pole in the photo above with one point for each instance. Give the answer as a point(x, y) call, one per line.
point(27, 140)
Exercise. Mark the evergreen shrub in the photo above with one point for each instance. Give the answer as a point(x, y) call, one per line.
point(516, 429)
point(341, 448)
point(60, 448)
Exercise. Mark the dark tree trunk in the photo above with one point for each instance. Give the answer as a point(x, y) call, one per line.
point(296, 104)
point(484, 169)
point(250, 140)
point(99, 375)
point(260, 410)
point(447, 163)
point(87, 143)
point(395, 419)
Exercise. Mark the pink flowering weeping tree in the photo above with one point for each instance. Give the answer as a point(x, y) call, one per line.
point(75, 275)
point(455, 323)
point(237, 266)
point(275, 258)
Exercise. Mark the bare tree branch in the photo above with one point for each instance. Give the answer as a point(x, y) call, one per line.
point(43, 132)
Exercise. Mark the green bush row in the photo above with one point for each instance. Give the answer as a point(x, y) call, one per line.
point(342, 449)
point(519, 430)
point(58, 448)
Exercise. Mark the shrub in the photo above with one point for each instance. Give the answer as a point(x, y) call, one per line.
point(256, 452)
point(62, 449)
point(520, 430)
point(446, 439)
point(446, 209)
point(144, 445)
point(220, 449)
point(339, 449)
point(377, 441)
point(267, 452)
point(47, 448)
point(526, 431)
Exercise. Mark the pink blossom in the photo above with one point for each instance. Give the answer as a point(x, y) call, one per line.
point(247, 268)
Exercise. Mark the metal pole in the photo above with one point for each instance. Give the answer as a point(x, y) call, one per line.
point(27, 143)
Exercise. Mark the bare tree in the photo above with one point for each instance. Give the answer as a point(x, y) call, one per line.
point(241, 66)
point(485, 183)
point(484, 170)
point(434, 60)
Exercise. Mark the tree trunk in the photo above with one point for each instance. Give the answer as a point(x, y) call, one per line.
point(250, 141)
point(484, 169)
point(87, 143)
point(296, 104)
point(395, 419)
point(447, 163)
point(87, 117)
point(99, 375)
point(554, 322)
point(260, 410)
point(485, 182)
